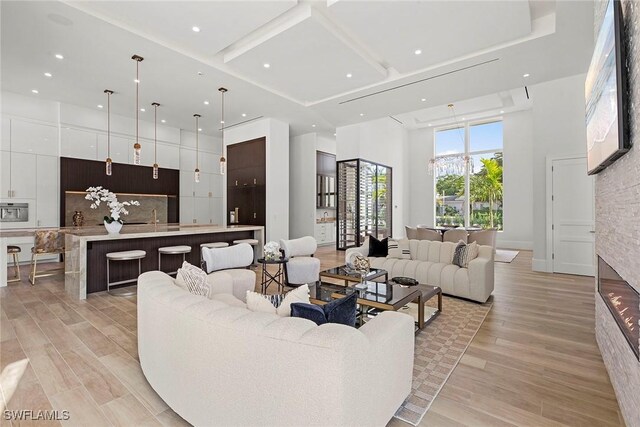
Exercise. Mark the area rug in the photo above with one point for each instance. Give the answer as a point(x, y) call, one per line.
point(504, 255)
point(439, 348)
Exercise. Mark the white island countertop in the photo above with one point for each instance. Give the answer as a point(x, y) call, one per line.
point(158, 230)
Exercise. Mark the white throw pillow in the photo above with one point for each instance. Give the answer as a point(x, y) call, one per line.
point(399, 249)
point(193, 278)
point(267, 304)
point(257, 302)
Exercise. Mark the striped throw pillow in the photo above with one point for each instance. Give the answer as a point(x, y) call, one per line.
point(194, 278)
point(464, 253)
point(399, 249)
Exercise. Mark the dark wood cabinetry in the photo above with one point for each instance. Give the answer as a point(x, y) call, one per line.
point(246, 181)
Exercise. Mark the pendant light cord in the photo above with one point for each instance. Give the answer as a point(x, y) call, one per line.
point(109, 124)
point(155, 134)
point(197, 144)
point(137, 95)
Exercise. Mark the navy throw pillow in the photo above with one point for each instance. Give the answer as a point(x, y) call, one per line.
point(311, 312)
point(378, 248)
point(342, 310)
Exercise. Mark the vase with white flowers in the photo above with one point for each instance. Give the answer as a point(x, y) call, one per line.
point(271, 251)
point(112, 223)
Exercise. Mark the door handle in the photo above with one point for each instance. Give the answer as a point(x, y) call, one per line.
point(592, 231)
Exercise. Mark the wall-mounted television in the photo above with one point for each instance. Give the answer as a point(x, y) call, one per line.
point(606, 94)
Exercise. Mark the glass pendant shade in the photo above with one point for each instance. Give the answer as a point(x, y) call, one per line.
point(108, 166)
point(155, 140)
point(155, 171)
point(223, 165)
point(196, 175)
point(137, 148)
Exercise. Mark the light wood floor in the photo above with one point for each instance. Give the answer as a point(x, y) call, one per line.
point(534, 361)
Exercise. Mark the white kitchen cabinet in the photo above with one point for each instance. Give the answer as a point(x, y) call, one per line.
point(168, 156)
point(215, 185)
point(23, 175)
point(36, 138)
point(201, 188)
point(78, 144)
point(47, 211)
point(186, 183)
point(325, 232)
point(5, 141)
point(5, 174)
point(201, 210)
point(186, 210)
point(120, 148)
point(215, 208)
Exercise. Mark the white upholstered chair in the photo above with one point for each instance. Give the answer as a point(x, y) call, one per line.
point(427, 234)
point(302, 267)
point(231, 265)
point(484, 237)
point(455, 235)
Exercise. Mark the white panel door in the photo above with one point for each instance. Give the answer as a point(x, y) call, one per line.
point(23, 175)
point(5, 141)
point(573, 217)
point(47, 192)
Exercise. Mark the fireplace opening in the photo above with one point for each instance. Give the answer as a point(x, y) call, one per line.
point(623, 302)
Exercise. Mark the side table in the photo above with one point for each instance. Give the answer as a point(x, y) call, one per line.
point(268, 278)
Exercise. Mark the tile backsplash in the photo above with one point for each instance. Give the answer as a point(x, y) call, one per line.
point(75, 201)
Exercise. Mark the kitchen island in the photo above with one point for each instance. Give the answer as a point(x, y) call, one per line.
point(86, 249)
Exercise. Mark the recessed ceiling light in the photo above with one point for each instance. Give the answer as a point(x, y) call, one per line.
point(417, 51)
point(429, 125)
point(526, 75)
point(163, 121)
point(313, 126)
point(221, 122)
point(199, 129)
point(266, 65)
point(136, 81)
point(349, 75)
point(34, 90)
point(143, 110)
point(244, 114)
point(423, 99)
point(361, 114)
point(463, 118)
point(195, 29)
point(334, 134)
point(48, 75)
point(59, 56)
point(100, 106)
point(206, 102)
point(199, 73)
point(501, 111)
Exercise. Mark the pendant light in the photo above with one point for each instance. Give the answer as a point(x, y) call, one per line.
point(196, 174)
point(137, 147)
point(108, 163)
point(223, 161)
point(155, 139)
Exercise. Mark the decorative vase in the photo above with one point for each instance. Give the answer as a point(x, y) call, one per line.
point(78, 219)
point(114, 228)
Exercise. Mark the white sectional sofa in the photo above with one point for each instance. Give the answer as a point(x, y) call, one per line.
point(431, 264)
point(217, 363)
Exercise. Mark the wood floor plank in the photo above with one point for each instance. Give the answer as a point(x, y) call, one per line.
point(83, 411)
point(97, 342)
point(52, 371)
point(127, 411)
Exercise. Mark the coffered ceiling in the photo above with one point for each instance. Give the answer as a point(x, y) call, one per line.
point(330, 63)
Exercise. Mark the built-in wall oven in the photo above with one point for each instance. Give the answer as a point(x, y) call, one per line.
point(14, 212)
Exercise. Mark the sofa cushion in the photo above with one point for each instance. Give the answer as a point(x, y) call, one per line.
point(300, 294)
point(229, 300)
point(378, 248)
point(465, 253)
point(243, 280)
point(277, 304)
point(194, 279)
point(399, 249)
point(258, 303)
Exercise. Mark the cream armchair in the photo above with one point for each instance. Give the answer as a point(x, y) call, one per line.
point(302, 267)
point(228, 269)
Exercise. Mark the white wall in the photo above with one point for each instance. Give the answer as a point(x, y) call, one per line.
point(558, 129)
point(277, 148)
point(382, 141)
point(422, 185)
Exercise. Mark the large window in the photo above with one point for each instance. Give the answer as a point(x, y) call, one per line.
point(471, 193)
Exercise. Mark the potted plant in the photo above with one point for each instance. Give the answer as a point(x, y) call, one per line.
point(112, 223)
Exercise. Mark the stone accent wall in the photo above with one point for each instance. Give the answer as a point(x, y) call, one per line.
point(618, 226)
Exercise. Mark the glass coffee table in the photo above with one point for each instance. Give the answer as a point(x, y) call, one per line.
point(374, 296)
point(350, 275)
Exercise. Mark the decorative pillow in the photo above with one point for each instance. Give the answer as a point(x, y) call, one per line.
point(194, 278)
point(464, 253)
point(399, 249)
point(378, 248)
point(277, 304)
point(342, 311)
point(312, 312)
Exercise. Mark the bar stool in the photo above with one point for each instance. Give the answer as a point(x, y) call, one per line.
point(14, 251)
point(214, 245)
point(252, 242)
point(173, 250)
point(124, 256)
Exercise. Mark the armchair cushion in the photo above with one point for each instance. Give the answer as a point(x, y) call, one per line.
point(303, 270)
point(304, 246)
point(236, 256)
